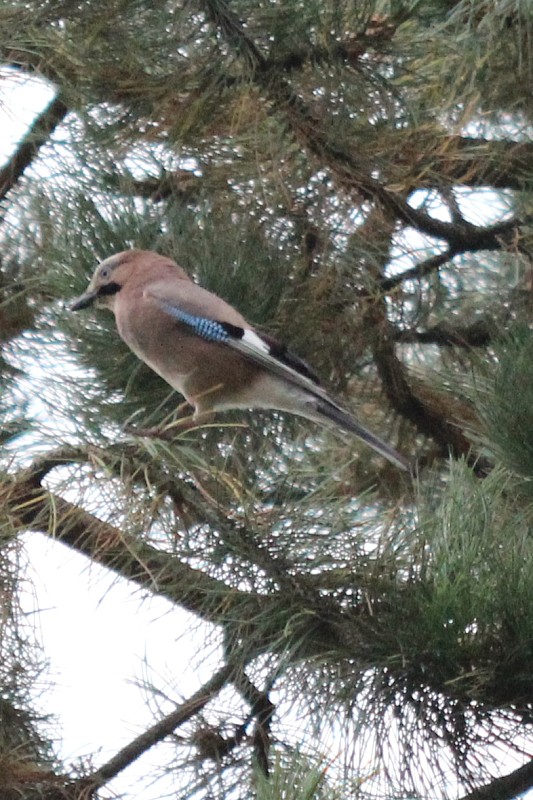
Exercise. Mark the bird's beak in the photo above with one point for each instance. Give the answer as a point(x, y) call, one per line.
point(85, 300)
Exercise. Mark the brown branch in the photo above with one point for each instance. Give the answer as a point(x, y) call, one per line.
point(263, 710)
point(29, 147)
point(33, 508)
point(398, 391)
point(210, 511)
point(352, 174)
point(478, 334)
point(323, 626)
point(493, 237)
point(424, 268)
point(132, 751)
point(181, 184)
point(429, 414)
point(505, 788)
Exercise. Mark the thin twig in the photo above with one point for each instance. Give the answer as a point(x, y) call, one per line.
point(131, 752)
point(426, 267)
point(263, 710)
point(349, 171)
point(493, 237)
point(479, 334)
point(37, 136)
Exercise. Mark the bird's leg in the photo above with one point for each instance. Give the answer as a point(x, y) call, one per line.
point(174, 428)
point(199, 418)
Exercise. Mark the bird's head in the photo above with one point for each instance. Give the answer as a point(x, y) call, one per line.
point(114, 272)
point(107, 280)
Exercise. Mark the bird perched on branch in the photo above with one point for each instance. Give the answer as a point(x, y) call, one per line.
point(206, 350)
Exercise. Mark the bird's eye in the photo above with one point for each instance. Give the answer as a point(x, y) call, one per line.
point(105, 273)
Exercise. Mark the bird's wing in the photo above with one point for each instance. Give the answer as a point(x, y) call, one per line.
point(193, 307)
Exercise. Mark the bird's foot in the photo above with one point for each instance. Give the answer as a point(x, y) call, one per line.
point(162, 431)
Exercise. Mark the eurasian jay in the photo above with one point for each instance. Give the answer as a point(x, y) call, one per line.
point(206, 350)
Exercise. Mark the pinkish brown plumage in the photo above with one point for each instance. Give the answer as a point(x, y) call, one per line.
point(206, 350)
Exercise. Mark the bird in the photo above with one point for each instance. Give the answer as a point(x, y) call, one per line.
point(206, 350)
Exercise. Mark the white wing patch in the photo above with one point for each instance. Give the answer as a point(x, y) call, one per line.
point(252, 339)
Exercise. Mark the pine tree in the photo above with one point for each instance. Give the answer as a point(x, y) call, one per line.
point(355, 177)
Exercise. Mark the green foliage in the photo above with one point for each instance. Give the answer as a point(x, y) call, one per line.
point(279, 150)
point(506, 403)
point(295, 777)
point(473, 595)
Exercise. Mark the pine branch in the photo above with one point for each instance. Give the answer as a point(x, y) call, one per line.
point(324, 624)
point(34, 508)
point(28, 149)
point(460, 237)
point(208, 510)
point(478, 334)
point(429, 418)
point(493, 237)
point(350, 173)
point(469, 161)
point(505, 788)
point(132, 751)
point(424, 268)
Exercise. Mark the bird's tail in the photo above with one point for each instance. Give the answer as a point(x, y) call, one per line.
point(329, 411)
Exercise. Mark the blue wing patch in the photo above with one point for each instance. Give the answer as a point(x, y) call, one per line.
point(263, 349)
point(209, 329)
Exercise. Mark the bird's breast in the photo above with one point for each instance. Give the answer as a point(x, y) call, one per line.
point(208, 374)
